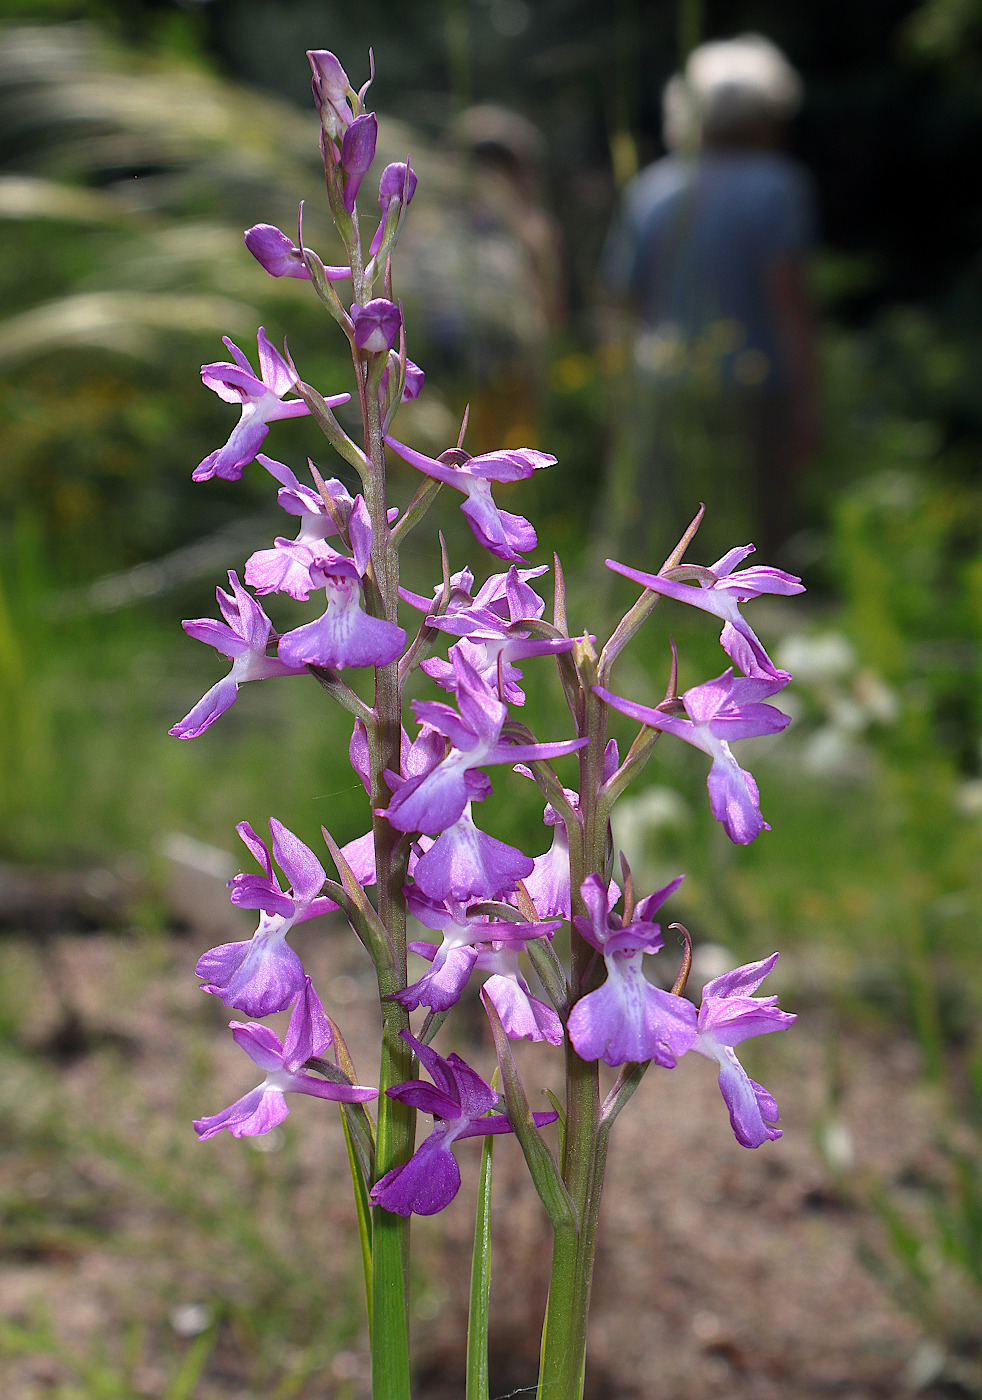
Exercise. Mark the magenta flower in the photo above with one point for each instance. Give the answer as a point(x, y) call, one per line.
point(345, 635)
point(454, 960)
point(504, 535)
point(436, 799)
point(281, 257)
point(398, 181)
point(730, 1014)
point(308, 1035)
point(278, 570)
point(466, 863)
point(628, 1019)
point(461, 1100)
point(723, 596)
point(243, 638)
point(265, 975)
point(262, 403)
point(548, 886)
point(492, 643)
point(710, 716)
point(377, 325)
point(522, 1016)
point(496, 595)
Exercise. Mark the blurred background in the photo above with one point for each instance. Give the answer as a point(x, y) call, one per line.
point(137, 141)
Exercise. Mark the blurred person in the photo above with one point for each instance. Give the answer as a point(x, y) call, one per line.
point(707, 252)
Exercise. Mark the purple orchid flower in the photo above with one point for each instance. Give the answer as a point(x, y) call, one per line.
point(522, 1016)
point(436, 799)
point(460, 1099)
point(714, 714)
point(503, 535)
point(262, 403)
point(628, 1019)
point(492, 644)
point(722, 595)
point(496, 595)
point(730, 1014)
point(345, 635)
point(466, 863)
point(265, 975)
point(281, 257)
point(548, 886)
point(398, 181)
point(308, 1035)
point(376, 325)
point(278, 570)
point(454, 960)
point(243, 638)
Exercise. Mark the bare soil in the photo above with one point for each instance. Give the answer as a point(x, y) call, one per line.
point(721, 1272)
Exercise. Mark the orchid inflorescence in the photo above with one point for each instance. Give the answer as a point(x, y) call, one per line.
point(491, 905)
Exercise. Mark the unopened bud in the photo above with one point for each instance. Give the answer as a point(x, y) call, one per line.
point(398, 182)
point(357, 154)
point(330, 87)
point(377, 325)
point(277, 253)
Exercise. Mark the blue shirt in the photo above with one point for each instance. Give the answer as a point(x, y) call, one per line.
point(691, 248)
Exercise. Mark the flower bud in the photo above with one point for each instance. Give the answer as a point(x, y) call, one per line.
point(390, 376)
point(277, 253)
point(357, 154)
point(330, 86)
point(398, 182)
point(376, 324)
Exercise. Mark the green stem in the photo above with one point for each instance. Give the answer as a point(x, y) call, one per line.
point(396, 1122)
point(563, 1359)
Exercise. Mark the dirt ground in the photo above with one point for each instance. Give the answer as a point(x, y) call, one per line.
point(721, 1272)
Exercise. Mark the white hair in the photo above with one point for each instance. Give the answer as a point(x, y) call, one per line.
point(728, 87)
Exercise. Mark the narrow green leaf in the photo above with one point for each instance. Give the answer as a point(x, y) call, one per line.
point(551, 973)
point(340, 691)
point(541, 1163)
point(361, 912)
point(363, 1211)
point(358, 1117)
point(434, 1020)
point(480, 1301)
point(192, 1366)
point(560, 1109)
point(332, 429)
point(425, 495)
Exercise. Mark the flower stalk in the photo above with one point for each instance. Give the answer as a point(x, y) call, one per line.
point(495, 909)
